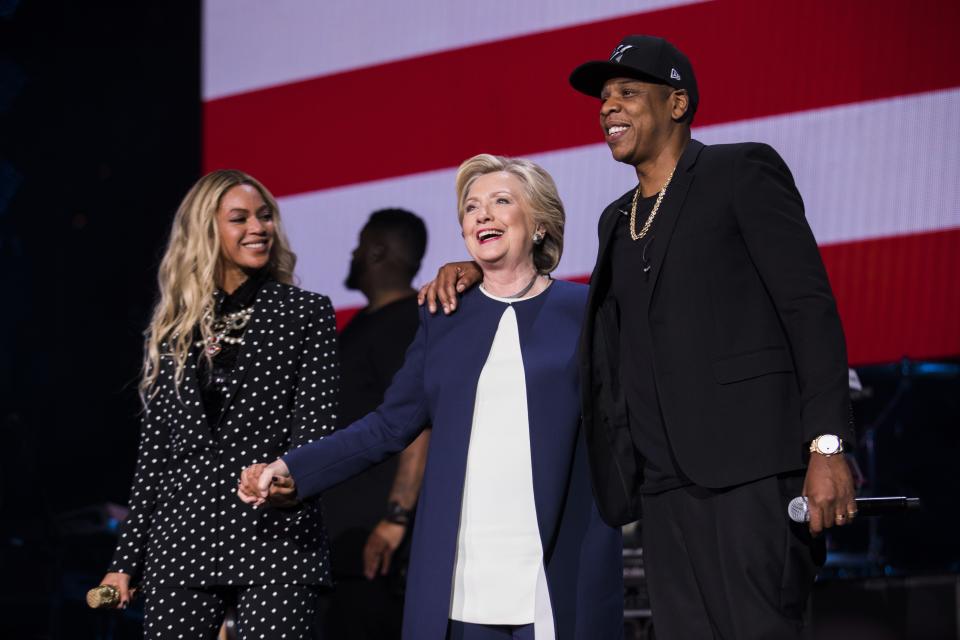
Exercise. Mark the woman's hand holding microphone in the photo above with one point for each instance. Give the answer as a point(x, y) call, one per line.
point(114, 592)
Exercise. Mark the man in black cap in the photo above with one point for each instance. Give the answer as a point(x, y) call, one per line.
point(713, 363)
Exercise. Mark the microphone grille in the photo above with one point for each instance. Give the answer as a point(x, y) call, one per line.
point(797, 509)
point(103, 597)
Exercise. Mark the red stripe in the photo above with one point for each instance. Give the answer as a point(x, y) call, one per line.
point(898, 296)
point(345, 315)
point(753, 58)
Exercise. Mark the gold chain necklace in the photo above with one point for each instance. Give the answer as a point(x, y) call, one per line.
point(653, 212)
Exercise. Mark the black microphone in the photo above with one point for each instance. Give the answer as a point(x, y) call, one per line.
point(798, 512)
point(643, 255)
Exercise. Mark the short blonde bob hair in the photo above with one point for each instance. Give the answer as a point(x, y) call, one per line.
point(539, 194)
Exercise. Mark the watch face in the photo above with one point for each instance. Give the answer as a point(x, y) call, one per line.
point(828, 444)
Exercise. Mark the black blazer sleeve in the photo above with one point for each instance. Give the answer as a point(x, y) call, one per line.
point(769, 212)
point(152, 460)
point(315, 402)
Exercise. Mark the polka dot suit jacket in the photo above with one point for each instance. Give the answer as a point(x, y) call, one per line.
point(186, 525)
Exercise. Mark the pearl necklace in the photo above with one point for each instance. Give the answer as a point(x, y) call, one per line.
point(231, 322)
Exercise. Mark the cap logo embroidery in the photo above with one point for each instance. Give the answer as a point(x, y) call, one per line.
point(674, 74)
point(619, 51)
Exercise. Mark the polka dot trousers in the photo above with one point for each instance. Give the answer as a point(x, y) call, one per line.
point(284, 612)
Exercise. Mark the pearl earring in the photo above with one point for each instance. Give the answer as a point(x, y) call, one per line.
point(538, 237)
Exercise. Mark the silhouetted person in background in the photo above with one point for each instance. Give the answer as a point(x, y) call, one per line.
point(370, 515)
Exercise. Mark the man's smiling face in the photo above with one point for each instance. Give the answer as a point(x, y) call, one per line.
point(636, 117)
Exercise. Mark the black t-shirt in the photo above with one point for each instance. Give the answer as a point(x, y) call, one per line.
point(630, 285)
point(372, 348)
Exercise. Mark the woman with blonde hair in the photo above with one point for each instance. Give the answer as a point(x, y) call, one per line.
point(239, 365)
point(508, 541)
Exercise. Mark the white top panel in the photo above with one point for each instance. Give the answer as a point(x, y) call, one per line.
point(252, 44)
point(499, 554)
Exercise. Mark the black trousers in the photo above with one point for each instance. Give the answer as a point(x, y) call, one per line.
point(284, 612)
point(729, 564)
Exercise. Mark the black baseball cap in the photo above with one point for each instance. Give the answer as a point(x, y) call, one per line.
point(647, 58)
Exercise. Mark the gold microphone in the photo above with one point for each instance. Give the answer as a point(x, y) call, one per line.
point(103, 597)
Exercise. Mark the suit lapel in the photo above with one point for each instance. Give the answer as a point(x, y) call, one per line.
point(189, 396)
point(607, 227)
point(671, 209)
point(598, 279)
point(261, 317)
point(186, 395)
point(543, 432)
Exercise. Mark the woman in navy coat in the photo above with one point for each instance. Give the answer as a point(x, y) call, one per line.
point(508, 541)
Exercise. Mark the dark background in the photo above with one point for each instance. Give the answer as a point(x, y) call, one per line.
point(99, 140)
point(100, 115)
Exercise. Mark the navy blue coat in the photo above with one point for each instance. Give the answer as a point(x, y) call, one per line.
point(437, 386)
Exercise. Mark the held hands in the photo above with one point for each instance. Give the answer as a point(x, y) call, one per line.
point(829, 490)
point(452, 279)
point(268, 484)
point(383, 541)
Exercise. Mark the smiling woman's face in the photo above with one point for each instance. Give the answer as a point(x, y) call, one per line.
point(246, 227)
point(497, 228)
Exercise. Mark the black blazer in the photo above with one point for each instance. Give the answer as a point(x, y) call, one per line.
point(186, 526)
point(749, 355)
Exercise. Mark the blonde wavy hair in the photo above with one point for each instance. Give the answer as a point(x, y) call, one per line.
point(539, 193)
point(191, 269)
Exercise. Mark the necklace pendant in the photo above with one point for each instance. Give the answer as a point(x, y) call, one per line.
point(213, 346)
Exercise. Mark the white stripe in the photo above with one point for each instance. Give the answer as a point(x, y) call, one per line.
point(252, 44)
point(868, 170)
point(871, 169)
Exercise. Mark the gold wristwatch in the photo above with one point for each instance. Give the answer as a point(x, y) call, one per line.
point(826, 445)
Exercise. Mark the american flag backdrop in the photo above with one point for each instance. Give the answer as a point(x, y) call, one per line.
point(342, 107)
